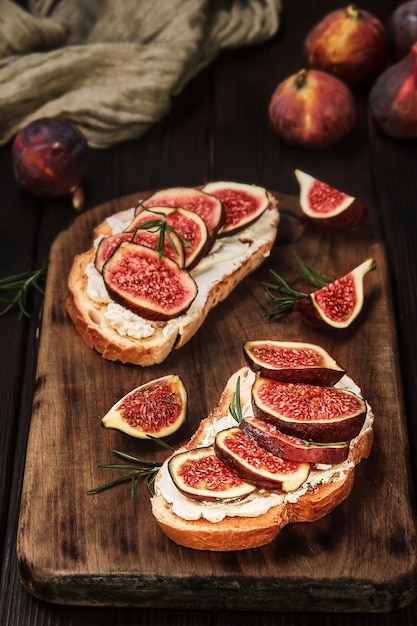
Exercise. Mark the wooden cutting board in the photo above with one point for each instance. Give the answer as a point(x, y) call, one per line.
point(105, 549)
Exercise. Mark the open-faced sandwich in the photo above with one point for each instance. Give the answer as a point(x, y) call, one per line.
point(153, 272)
point(281, 446)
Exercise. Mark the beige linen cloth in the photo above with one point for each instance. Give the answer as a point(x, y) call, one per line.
point(113, 66)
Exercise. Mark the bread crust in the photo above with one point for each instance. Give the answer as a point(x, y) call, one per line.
point(88, 314)
point(307, 504)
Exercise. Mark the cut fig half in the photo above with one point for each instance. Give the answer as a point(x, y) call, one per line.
point(294, 448)
point(205, 205)
point(189, 226)
point(152, 287)
point(339, 303)
point(255, 464)
point(292, 362)
point(326, 205)
point(172, 246)
point(157, 408)
point(309, 412)
point(201, 475)
point(242, 203)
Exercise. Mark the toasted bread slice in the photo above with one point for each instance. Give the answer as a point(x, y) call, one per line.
point(258, 519)
point(119, 335)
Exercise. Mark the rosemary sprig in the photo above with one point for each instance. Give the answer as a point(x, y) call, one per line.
point(137, 468)
point(22, 284)
point(161, 226)
point(235, 408)
point(284, 296)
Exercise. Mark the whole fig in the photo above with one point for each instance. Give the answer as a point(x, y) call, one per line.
point(50, 158)
point(393, 98)
point(402, 28)
point(312, 108)
point(351, 44)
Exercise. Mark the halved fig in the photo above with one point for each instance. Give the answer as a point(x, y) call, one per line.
point(205, 205)
point(292, 362)
point(152, 287)
point(172, 247)
point(201, 475)
point(326, 205)
point(294, 448)
point(242, 203)
point(256, 465)
point(188, 225)
point(310, 412)
point(339, 303)
point(157, 408)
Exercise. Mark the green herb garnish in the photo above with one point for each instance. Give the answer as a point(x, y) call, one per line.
point(235, 408)
point(161, 226)
point(137, 467)
point(22, 284)
point(284, 297)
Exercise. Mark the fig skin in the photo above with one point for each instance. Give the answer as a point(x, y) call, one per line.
point(351, 44)
point(50, 156)
point(402, 28)
point(312, 109)
point(393, 98)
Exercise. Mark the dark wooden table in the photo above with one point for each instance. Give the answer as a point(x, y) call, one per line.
point(217, 129)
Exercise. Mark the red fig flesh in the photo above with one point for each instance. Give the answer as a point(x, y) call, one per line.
point(201, 475)
point(326, 205)
point(255, 464)
point(312, 108)
point(351, 44)
point(310, 412)
point(393, 98)
point(242, 204)
point(155, 288)
point(156, 408)
point(50, 158)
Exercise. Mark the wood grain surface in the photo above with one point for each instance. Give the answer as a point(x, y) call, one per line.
point(105, 549)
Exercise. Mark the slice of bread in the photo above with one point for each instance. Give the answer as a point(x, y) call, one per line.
point(119, 335)
point(256, 520)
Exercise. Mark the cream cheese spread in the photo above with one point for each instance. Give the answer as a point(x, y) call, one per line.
point(260, 501)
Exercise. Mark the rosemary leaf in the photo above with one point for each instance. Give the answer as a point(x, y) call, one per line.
point(22, 283)
point(235, 408)
point(313, 276)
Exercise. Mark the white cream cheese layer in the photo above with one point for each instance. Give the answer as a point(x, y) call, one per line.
point(227, 254)
point(260, 501)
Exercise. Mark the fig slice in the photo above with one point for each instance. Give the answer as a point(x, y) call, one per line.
point(255, 464)
point(190, 227)
point(172, 247)
point(339, 303)
point(157, 408)
point(152, 287)
point(326, 205)
point(292, 362)
point(242, 203)
point(201, 475)
point(294, 448)
point(205, 205)
point(309, 412)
